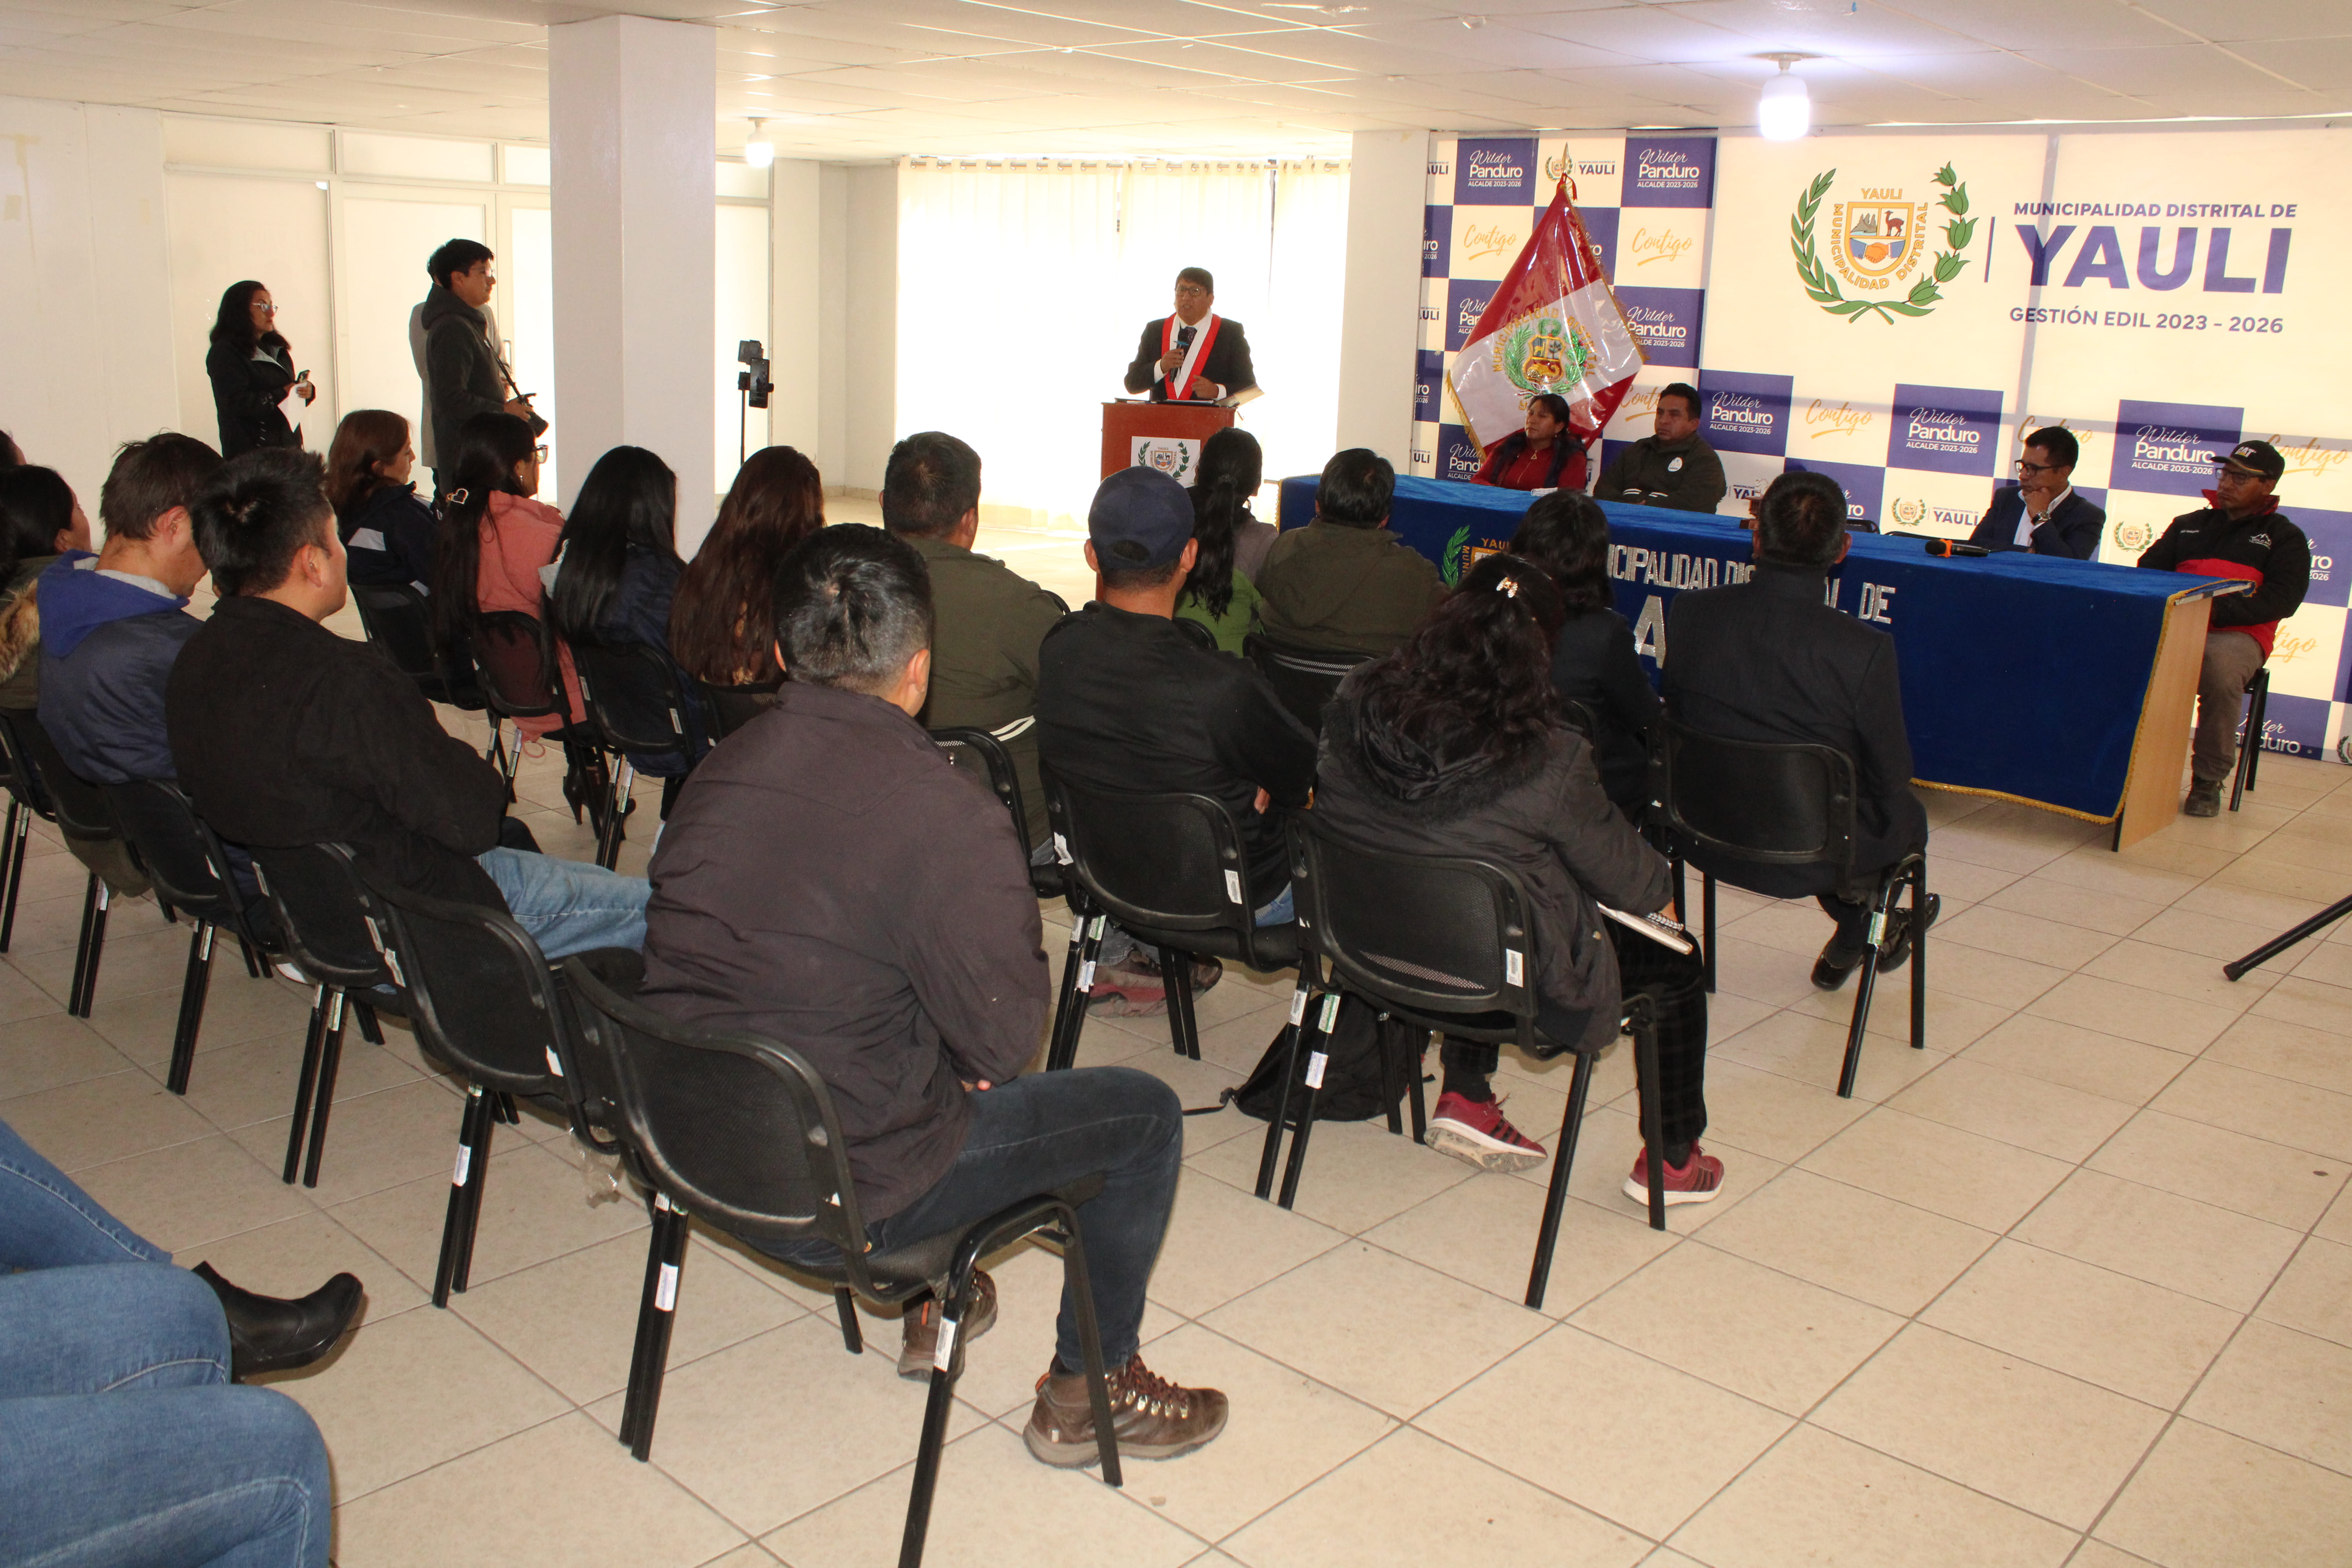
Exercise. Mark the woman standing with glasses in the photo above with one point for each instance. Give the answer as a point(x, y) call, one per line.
point(251, 367)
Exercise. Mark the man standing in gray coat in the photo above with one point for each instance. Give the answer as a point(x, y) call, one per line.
point(463, 373)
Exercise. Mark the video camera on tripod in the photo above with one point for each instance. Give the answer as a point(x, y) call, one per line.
point(755, 382)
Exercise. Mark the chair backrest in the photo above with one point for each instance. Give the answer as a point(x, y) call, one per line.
point(982, 755)
point(737, 1130)
point(1168, 862)
point(396, 619)
point(182, 858)
point(80, 806)
point(330, 918)
point(22, 781)
point(1578, 716)
point(516, 666)
point(1767, 803)
point(729, 708)
point(634, 697)
point(1424, 932)
point(1305, 679)
point(483, 997)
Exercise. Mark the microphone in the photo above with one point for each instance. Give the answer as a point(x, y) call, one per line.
point(1955, 547)
point(1184, 337)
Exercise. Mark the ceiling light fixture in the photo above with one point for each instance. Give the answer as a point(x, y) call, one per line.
point(1784, 109)
point(758, 152)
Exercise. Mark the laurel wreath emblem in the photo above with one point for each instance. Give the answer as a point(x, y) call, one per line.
point(1822, 284)
point(1455, 549)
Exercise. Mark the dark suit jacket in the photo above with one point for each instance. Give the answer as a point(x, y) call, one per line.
point(2074, 533)
point(1767, 661)
point(1227, 362)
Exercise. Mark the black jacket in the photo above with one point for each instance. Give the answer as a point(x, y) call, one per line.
point(1226, 362)
point(463, 373)
point(831, 881)
point(288, 734)
point(389, 536)
point(640, 613)
point(1767, 661)
point(1542, 815)
point(1131, 702)
point(2071, 532)
point(2265, 549)
point(1688, 474)
point(248, 390)
point(1595, 664)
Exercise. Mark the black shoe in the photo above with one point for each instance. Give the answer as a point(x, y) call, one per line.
point(268, 1333)
point(1899, 935)
point(2204, 799)
point(1835, 963)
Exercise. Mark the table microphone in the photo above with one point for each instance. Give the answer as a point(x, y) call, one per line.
point(1955, 547)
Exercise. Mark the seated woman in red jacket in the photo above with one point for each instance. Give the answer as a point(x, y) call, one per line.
point(1546, 456)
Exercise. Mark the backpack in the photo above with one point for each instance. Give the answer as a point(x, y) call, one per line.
point(1355, 1085)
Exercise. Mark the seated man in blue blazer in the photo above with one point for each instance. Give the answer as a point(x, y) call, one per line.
point(2041, 513)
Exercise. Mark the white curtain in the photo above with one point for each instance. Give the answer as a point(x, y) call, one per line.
point(1009, 308)
point(1067, 262)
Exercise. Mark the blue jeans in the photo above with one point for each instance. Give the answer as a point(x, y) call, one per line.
point(120, 1441)
point(1280, 911)
point(569, 906)
point(1045, 1132)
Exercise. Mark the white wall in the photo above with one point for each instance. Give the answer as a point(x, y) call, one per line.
point(795, 317)
point(86, 340)
point(1388, 176)
point(870, 327)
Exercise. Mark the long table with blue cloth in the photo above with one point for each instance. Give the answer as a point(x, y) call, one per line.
point(2066, 685)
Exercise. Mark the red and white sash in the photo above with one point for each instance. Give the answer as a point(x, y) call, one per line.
point(1179, 381)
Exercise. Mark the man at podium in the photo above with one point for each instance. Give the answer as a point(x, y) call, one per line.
point(1192, 356)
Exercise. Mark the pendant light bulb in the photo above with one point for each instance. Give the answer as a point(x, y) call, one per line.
point(1784, 109)
point(758, 152)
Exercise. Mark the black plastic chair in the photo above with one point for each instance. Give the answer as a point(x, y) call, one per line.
point(982, 755)
point(1783, 805)
point(333, 928)
point(1171, 870)
point(1447, 944)
point(26, 800)
point(519, 680)
point(741, 1133)
point(1305, 679)
point(191, 870)
point(485, 1003)
point(396, 619)
point(2250, 749)
point(639, 709)
point(80, 810)
point(728, 709)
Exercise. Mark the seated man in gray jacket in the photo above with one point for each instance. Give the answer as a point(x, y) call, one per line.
point(828, 880)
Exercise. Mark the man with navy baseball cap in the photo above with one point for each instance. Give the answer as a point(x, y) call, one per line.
point(2240, 534)
point(1126, 699)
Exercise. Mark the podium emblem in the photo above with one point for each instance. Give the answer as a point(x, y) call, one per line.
point(1174, 457)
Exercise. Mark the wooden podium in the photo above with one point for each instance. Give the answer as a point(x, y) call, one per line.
point(1175, 430)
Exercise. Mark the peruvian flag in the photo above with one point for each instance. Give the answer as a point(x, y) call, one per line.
point(1554, 325)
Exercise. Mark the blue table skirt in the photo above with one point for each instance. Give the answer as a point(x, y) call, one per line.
point(2023, 676)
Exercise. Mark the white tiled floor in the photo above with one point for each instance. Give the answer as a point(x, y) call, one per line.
point(2070, 1285)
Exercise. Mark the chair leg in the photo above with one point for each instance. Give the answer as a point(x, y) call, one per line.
point(624, 785)
point(1079, 921)
point(1413, 1077)
point(1654, 1116)
point(1272, 1153)
point(20, 829)
point(369, 1030)
point(1563, 1158)
point(1176, 974)
point(2262, 723)
point(657, 1209)
point(844, 1307)
point(1707, 939)
point(1065, 1050)
point(97, 946)
point(1392, 1074)
point(253, 970)
point(330, 1057)
point(192, 1007)
point(1863, 985)
point(456, 1236)
point(1319, 1055)
point(1919, 957)
point(1080, 1285)
point(663, 1265)
point(304, 1083)
point(91, 895)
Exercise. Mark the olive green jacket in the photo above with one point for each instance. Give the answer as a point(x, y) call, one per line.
point(984, 656)
point(1336, 588)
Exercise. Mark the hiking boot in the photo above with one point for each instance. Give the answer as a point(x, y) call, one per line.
point(1475, 1130)
point(921, 1327)
point(2204, 799)
point(1152, 1418)
point(1695, 1182)
point(1128, 991)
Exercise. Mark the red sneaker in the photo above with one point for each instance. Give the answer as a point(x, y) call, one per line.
point(1127, 992)
point(1695, 1183)
point(1475, 1130)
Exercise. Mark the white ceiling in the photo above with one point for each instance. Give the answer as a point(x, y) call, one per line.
point(861, 78)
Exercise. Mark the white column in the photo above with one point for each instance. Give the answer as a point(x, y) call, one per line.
point(795, 314)
point(1379, 324)
point(633, 109)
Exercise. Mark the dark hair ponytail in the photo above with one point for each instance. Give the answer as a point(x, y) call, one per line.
point(1232, 466)
point(488, 448)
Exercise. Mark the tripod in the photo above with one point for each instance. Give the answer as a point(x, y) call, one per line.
point(2286, 939)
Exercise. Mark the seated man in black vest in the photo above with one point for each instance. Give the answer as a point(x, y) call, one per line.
point(829, 881)
point(1767, 661)
point(2041, 514)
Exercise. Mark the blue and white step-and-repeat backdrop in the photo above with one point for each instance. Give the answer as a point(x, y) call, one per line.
point(1896, 311)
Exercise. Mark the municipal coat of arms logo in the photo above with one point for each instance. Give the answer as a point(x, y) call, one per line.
point(1543, 352)
point(1173, 458)
point(1909, 511)
point(1877, 242)
point(2133, 535)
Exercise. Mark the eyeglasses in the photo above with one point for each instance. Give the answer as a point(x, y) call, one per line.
point(2029, 469)
point(267, 309)
point(538, 454)
point(1192, 289)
